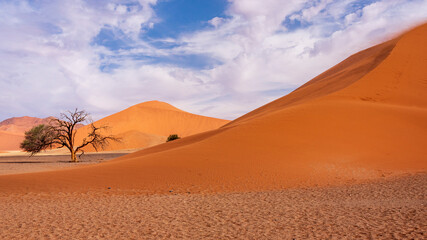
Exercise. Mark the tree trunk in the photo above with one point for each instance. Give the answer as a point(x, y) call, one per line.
point(73, 156)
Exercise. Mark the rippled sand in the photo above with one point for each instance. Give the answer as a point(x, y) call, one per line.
point(384, 209)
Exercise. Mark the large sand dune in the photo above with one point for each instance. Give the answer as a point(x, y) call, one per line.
point(150, 123)
point(363, 119)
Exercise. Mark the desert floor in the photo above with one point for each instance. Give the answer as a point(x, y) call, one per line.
point(389, 208)
point(19, 162)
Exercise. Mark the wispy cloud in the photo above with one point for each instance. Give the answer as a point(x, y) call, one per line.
point(104, 56)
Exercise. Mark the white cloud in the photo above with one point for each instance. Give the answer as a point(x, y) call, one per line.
point(259, 57)
point(216, 21)
point(48, 62)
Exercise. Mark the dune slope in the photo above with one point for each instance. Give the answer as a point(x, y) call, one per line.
point(12, 131)
point(150, 123)
point(365, 118)
point(10, 141)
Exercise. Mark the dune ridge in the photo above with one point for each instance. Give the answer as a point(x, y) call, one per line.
point(150, 123)
point(334, 79)
point(18, 125)
point(363, 119)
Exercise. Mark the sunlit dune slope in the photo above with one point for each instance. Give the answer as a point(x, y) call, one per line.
point(150, 123)
point(338, 77)
point(364, 118)
point(10, 141)
point(12, 130)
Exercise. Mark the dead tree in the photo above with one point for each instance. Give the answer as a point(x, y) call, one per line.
point(61, 132)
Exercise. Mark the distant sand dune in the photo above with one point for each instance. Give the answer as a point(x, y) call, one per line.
point(10, 141)
point(12, 131)
point(140, 126)
point(150, 123)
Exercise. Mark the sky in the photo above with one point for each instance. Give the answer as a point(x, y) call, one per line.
point(216, 58)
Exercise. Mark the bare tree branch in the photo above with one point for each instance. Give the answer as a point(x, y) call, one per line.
point(61, 132)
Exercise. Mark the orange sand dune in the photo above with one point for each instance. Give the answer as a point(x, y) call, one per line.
point(10, 141)
point(18, 125)
point(12, 130)
point(364, 118)
point(150, 123)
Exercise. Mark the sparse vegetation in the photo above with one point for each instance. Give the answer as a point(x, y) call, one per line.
point(37, 139)
point(172, 137)
point(62, 132)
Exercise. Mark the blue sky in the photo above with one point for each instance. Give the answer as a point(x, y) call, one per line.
point(184, 16)
point(213, 57)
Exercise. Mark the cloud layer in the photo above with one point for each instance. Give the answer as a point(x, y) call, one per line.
point(98, 55)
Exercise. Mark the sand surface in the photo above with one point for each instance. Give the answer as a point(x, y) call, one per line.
point(14, 163)
point(18, 125)
point(150, 123)
point(10, 141)
point(393, 208)
point(12, 130)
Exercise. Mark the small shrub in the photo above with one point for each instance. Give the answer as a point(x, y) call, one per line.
point(172, 137)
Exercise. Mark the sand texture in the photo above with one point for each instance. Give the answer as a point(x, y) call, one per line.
point(384, 209)
point(22, 163)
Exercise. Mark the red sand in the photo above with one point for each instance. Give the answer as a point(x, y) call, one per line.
point(150, 123)
point(12, 131)
point(140, 126)
point(383, 209)
point(18, 125)
point(10, 141)
point(362, 119)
